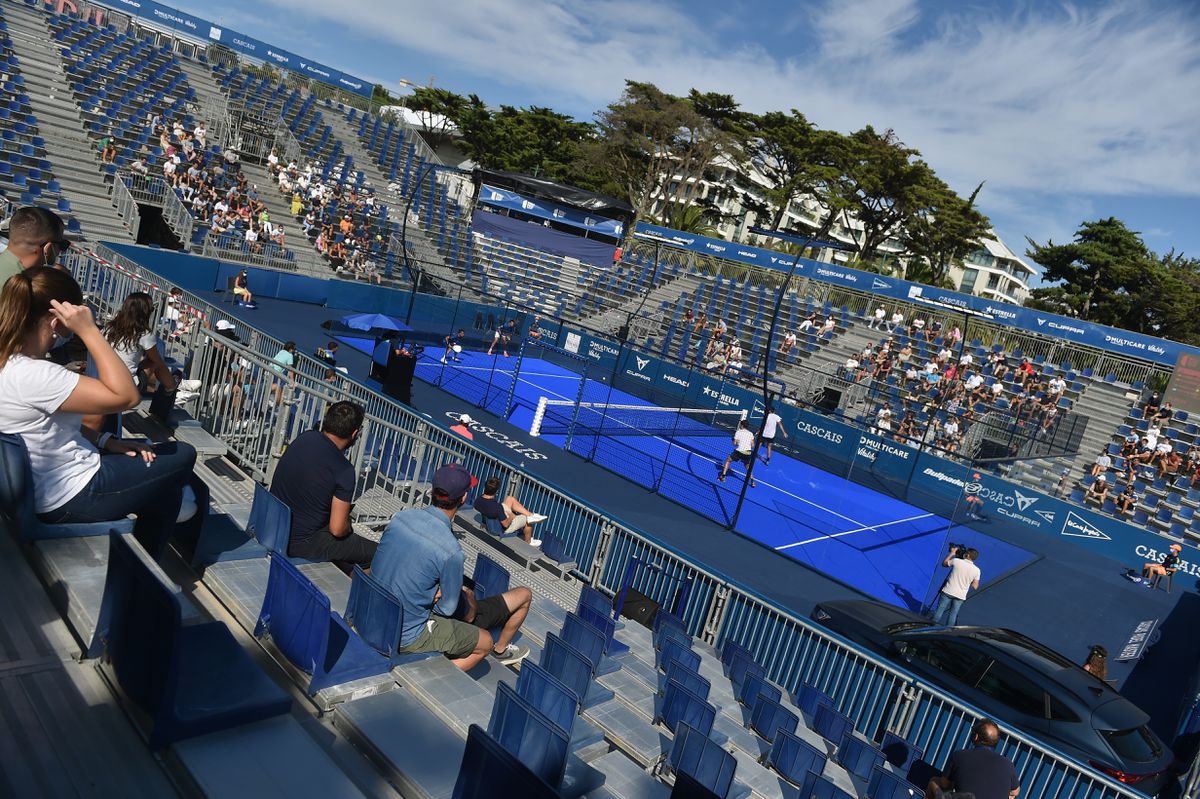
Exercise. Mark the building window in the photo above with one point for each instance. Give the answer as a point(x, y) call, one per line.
point(993, 281)
point(968, 281)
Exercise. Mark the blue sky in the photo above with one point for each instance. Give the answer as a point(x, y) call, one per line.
point(1068, 111)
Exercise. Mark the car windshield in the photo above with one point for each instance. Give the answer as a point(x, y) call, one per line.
point(1137, 745)
point(905, 626)
point(1025, 647)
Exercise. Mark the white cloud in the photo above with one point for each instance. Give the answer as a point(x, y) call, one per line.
point(1040, 102)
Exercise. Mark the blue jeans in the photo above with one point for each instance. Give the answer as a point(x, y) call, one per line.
point(946, 613)
point(125, 485)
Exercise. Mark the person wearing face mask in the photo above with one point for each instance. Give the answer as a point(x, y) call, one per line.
point(35, 238)
point(80, 475)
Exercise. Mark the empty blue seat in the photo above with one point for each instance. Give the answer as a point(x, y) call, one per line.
point(741, 666)
point(491, 579)
point(489, 770)
point(830, 724)
point(681, 705)
point(756, 685)
point(602, 622)
point(270, 521)
point(859, 756)
point(188, 680)
point(699, 757)
point(548, 694)
point(676, 651)
point(594, 599)
point(899, 752)
point(568, 664)
point(885, 784)
point(585, 638)
point(529, 734)
point(792, 757)
point(686, 676)
point(768, 717)
point(297, 617)
point(17, 515)
point(816, 786)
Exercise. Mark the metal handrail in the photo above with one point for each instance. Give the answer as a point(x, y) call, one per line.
point(127, 207)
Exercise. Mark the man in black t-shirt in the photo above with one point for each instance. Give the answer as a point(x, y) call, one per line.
point(980, 770)
point(512, 515)
point(315, 480)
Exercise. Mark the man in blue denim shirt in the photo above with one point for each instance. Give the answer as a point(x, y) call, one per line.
point(421, 563)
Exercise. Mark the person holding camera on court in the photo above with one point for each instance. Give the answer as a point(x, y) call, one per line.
point(964, 576)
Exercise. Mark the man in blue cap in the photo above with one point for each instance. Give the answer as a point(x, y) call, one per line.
point(420, 561)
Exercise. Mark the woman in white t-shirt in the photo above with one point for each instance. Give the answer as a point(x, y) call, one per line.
point(131, 334)
point(45, 403)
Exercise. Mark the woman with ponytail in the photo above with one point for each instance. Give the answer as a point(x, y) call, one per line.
point(79, 475)
point(131, 334)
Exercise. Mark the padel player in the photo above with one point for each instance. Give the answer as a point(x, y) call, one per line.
point(454, 345)
point(772, 426)
point(743, 447)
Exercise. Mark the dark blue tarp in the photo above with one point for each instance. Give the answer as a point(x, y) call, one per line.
point(532, 234)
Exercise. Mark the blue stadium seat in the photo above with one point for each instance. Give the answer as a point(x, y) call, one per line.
point(699, 757)
point(548, 694)
point(754, 686)
point(859, 756)
point(742, 665)
point(816, 786)
point(768, 717)
point(679, 705)
point(686, 676)
point(297, 617)
point(830, 724)
point(491, 579)
point(17, 516)
point(377, 617)
point(489, 770)
point(899, 752)
point(270, 521)
point(594, 599)
point(585, 638)
point(188, 680)
point(792, 757)
point(570, 666)
point(885, 784)
point(664, 618)
point(669, 634)
point(677, 652)
point(529, 735)
point(602, 622)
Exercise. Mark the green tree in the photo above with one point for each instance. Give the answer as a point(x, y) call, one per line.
point(794, 157)
point(438, 111)
point(944, 230)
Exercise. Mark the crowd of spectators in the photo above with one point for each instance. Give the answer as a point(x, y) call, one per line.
point(340, 219)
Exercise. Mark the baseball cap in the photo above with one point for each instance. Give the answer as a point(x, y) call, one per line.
point(1176, 548)
point(453, 480)
point(224, 324)
point(465, 419)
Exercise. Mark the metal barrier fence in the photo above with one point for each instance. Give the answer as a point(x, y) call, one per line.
point(256, 407)
point(178, 217)
point(145, 188)
point(126, 207)
point(265, 254)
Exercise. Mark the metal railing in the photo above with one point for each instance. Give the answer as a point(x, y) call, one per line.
point(256, 407)
point(126, 207)
point(178, 217)
point(265, 254)
point(146, 189)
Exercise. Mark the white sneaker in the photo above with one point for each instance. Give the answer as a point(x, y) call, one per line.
point(535, 542)
point(534, 518)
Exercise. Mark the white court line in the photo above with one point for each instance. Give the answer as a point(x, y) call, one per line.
point(670, 443)
point(857, 530)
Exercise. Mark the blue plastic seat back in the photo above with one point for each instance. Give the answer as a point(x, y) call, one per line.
point(741, 666)
point(270, 521)
point(831, 725)
point(665, 618)
point(602, 622)
point(529, 734)
point(374, 613)
point(768, 717)
point(793, 757)
point(808, 698)
point(859, 756)
point(815, 786)
point(555, 548)
point(885, 784)
point(756, 685)
point(686, 676)
point(731, 650)
point(296, 615)
point(667, 634)
point(688, 787)
point(702, 759)
point(548, 694)
point(568, 664)
point(681, 653)
point(488, 770)
point(491, 579)
point(16, 487)
point(585, 638)
point(595, 599)
point(681, 705)
point(899, 752)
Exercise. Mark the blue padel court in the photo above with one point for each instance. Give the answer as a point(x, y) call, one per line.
point(868, 540)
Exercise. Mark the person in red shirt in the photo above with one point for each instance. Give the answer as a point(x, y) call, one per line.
point(462, 428)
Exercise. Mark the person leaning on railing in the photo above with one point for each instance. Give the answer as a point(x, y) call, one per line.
point(80, 475)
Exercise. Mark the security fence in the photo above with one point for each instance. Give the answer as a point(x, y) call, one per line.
point(256, 406)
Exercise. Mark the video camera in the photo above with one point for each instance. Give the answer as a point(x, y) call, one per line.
point(957, 550)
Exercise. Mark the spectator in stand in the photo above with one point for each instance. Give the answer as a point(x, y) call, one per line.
point(1162, 568)
point(140, 167)
point(701, 323)
point(35, 238)
point(980, 771)
point(787, 343)
point(809, 324)
point(316, 480)
point(463, 428)
point(1024, 372)
point(328, 353)
point(743, 449)
point(80, 475)
point(1098, 490)
point(828, 327)
point(241, 289)
point(850, 368)
point(689, 318)
point(1126, 500)
point(917, 327)
point(131, 334)
point(273, 163)
point(877, 320)
point(1150, 406)
point(1165, 413)
point(420, 561)
point(1102, 464)
point(512, 515)
point(1169, 467)
point(897, 321)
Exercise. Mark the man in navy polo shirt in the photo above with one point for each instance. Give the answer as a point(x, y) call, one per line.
point(980, 770)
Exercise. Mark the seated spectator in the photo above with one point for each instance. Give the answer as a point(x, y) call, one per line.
point(877, 319)
point(1165, 413)
point(241, 288)
point(420, 561)
point(328, 353)
point(1168, 565)
point(809, 324)
point(131, 334)
point(511, 514)
point(1102, 464)
point(787, 343)
point(316, 481)
point(1098, 490)
point(1126, 500)
point(1169, 467)
point(897, 321)
point(1150, 406)
point(140, 167)
point(80, 475)
point(35, 238)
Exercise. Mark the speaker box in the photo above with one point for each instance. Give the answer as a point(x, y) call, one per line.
point(397, 383)
point(639, 608)
point(829, 400)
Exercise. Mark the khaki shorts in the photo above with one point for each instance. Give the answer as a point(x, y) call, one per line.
point(456, 639)
point(518, 523)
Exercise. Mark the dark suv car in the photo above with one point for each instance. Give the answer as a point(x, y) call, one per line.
point(1017, 680)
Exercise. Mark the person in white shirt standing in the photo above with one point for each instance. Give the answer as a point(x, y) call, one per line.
point(772, 426)
point(964, 577)
point(743, 449)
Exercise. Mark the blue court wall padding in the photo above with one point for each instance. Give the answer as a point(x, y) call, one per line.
point(540, 237)
point(189, 272)
point(362, 297)
point(301, 288)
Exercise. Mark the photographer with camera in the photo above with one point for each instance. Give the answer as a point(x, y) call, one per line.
point(964, 576)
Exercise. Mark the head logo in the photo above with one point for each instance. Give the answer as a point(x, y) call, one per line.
point(1078, 527)
point(642, 363)
point(1023, 502)
point(972, 488)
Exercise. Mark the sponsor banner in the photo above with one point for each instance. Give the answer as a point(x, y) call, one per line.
point(546, 209)
point(720, 248)
point(202, 30)
point(942, 486)
point(640, 368)
point(874, 461)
